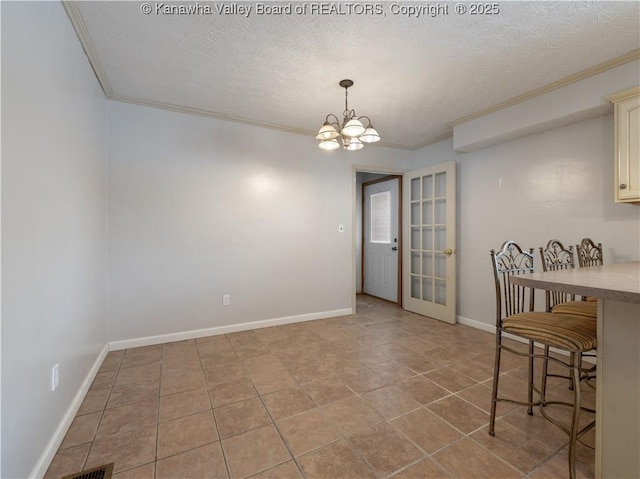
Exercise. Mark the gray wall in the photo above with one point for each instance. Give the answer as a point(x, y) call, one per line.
point(199, 208)
point(552, 185)
point(53, 226)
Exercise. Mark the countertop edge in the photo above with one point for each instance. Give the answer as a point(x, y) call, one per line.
point(572, 281)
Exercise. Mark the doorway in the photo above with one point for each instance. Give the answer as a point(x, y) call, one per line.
point(427, 269)
point(381, 242)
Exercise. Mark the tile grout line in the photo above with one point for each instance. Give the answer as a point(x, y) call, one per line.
point(84, 463)
point(155, 462)
point(273, 422)
point(215, 422)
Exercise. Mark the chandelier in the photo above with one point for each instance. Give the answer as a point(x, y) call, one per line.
point(352, 133)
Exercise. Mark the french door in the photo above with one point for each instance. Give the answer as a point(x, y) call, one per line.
point(429, 241)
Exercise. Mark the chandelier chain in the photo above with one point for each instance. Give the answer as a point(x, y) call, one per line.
point(346, 103)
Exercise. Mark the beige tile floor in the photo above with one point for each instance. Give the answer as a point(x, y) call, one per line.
point(382, 393)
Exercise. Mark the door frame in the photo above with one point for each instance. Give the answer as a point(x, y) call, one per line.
point(399, 244)
point(355, 169)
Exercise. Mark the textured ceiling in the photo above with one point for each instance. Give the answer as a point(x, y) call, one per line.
point(413, 75)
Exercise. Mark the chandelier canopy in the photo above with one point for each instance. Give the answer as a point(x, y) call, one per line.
point(352, 132)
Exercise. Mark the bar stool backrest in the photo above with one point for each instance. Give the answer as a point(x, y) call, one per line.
point(556, 257)
point(510, 298)
point(589, 253)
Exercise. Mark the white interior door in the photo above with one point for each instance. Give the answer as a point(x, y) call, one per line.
point(429, 232)
point(380, 245)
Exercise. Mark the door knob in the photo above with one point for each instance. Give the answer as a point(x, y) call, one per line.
point(394, 248)
point(448, 251)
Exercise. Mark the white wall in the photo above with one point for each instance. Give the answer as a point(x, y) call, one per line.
point(557, 184)
point(53, 227)
point(199, 208)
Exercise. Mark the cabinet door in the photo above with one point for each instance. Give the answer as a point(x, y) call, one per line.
point(628, 150)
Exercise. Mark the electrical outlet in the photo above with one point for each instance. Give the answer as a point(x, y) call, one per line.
point(54, 377)
point(226, 300)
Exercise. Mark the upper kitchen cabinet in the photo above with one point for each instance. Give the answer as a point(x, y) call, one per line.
point(627, 145)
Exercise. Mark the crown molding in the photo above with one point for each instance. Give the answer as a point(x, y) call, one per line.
point(208, 114)
point(87, 44)
point(623, 95)
point(576, 77)
point(432, 141)
point(219, 116)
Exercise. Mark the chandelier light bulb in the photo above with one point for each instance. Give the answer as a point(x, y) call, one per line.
point(329, 144)
point(327, 132)
point(353, 128)
point(370, 135)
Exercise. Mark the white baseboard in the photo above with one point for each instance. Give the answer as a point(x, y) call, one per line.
point(49, 452)
point(232, 328)
point(474, 323)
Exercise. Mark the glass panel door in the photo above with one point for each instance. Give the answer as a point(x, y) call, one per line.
point(429, 265)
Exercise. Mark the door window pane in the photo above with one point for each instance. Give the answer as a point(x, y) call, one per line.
point(427, 212)
point(381, 217)
point(441, 265)
point(441, 292)
point(427, 187)
point(441, 184)
point(415, 238)
point(441, 212)
point(415, 287)
point(415, 263)
point(415, 213)
point(415, 189)
point(427, 264)
point(441, 238)
point(427, 289)
point(427, 239)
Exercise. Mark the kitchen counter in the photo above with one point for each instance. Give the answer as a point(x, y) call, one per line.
point(617, 282)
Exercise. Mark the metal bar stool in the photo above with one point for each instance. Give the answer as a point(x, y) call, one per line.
point(515, 316)
point(556, 257)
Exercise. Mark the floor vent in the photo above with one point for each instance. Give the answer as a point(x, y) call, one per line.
point(101, 472)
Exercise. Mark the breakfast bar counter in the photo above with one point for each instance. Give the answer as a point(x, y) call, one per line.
point(617, 287)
